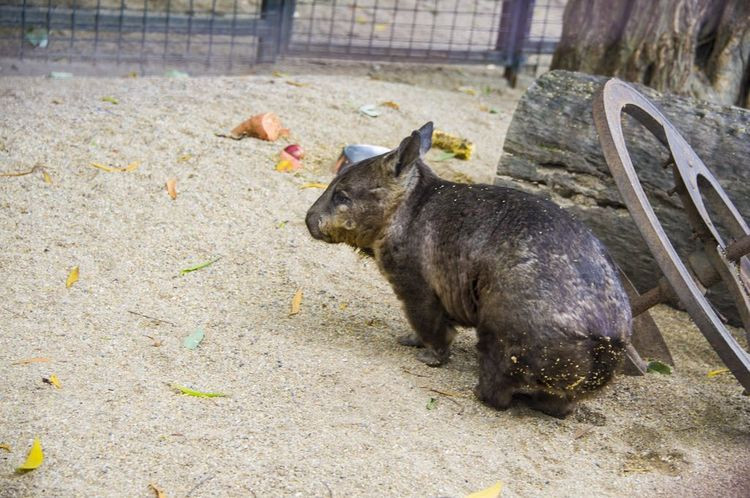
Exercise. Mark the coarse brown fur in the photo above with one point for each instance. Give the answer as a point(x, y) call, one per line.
point(551, 316)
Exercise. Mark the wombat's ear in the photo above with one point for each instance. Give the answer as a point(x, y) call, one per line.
point(425, 137)
point(407, 153)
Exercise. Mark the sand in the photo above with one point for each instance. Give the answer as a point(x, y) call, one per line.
point(321, 403)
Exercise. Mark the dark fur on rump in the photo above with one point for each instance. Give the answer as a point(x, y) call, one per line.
point(551, 316)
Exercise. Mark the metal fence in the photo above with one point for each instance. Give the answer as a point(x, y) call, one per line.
point(227, 36)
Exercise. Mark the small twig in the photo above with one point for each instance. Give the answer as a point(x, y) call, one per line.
point(330, 493)
point(200, 483)
point(582, 432)
point(233, 137)
point(19, 315)
point(445, 393)
point(413, 373)
point(23, 173)
point(156, 342)
point(152, 318)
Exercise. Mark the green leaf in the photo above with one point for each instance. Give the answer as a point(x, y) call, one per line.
point(192, 341)
point(111, 100)
point(444, 156)
point(432, 404)
point(659, 367)
point(60, 75)
point(173, 73)
point(197, 394)
point(199, 267)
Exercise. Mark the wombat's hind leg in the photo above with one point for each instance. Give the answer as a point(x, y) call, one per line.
point(411, 339)
point(496, 396)
point(552, 404)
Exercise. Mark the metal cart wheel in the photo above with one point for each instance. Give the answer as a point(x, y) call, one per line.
point(719, 259)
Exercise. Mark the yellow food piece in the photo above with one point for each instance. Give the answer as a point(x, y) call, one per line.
point(461, 147)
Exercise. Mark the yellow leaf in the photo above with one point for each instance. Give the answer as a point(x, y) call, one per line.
point(111, 169)
point(72, 277)
point(35, 457)
point(296, 302)
point(157, 490)
point(391, 104)
point(184, 158)
point(197, 394)
point(108, 169)
point(343, 306)
point(55, 381)
point(467, 90)
point(47, 178)
point(716, 371)
point(313, 185)
point(298, 84)
point(491, 492)
point(380, 27)
point(360, 19)
point(5, 447)
point(32, 360)
point(172, 188)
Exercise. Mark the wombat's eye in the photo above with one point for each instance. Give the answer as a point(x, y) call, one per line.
point(340, 198)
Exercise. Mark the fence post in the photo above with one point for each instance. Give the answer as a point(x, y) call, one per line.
point(275, 28)
point(515, 26)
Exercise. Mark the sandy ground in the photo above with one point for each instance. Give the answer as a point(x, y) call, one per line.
point(322, 403)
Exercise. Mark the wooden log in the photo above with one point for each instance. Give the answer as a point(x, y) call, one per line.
point(552, 149)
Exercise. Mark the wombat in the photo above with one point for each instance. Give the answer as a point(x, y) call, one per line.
point(551, 317)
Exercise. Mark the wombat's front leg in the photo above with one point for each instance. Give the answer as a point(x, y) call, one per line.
point(433, 329)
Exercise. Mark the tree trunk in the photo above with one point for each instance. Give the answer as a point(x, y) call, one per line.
point(691, 47)
point(552, 149)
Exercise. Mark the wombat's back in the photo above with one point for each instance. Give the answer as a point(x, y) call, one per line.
point(525, 271)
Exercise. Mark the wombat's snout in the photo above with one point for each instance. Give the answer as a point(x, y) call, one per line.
point(311, 220)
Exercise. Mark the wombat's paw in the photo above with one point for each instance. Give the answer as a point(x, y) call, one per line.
point(550, 404)
point(429, 357)
point(411, 340)
point(499, 400)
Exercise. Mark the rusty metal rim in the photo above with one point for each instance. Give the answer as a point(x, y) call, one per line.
point(611, 101)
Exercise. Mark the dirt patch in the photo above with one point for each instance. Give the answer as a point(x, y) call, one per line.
point(320, 403)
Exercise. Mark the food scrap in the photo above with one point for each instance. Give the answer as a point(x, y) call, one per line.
point(460, 147)
point(266, 126)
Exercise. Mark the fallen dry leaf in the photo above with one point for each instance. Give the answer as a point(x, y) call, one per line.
point(184, 158)
point(47, 178)
point(53, 381)
point(157, 490)
point(22, 173)
point(391, 104)
point(266, 126)
point(5, 447)
point(716, 371)
point(197, 394)
point(296, 302)
point(172, 188)
point(72, 277)
point(32, 360)
point(491, 492)
point(112, 169)
point(297, 83)
point(156, 342)
point(313, 185)
point(35, 457)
